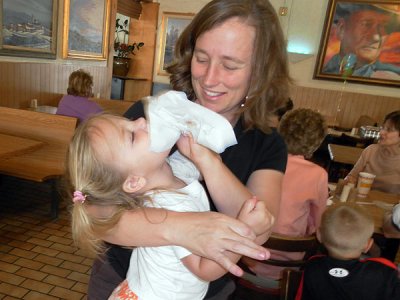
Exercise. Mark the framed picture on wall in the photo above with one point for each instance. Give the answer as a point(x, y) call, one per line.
point(29, 28)
point(361, 42)
point(172, 26)
point(86, 29)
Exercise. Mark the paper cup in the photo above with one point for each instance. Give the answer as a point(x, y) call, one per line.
point(365, 181)
point(34, 103)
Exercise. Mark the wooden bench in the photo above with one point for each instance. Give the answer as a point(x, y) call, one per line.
point(47, 163)
point(117, 107)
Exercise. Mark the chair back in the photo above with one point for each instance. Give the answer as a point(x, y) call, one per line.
point(365, 120)
point(308, 244)
point(290, 284)
point(278, 288)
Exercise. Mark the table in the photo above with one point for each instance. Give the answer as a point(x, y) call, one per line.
point(333, 132)
point(44, 109)
point(338, 133)
point(344, 154)
point(376, 204)
point(13, 145)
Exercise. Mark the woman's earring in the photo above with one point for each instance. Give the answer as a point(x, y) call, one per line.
point(244, 101)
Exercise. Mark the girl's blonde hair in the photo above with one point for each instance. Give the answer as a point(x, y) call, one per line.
point(99, 182)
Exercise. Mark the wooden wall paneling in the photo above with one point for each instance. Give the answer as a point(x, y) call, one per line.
point(346, 110)
point(129, 8)
point(142, 64)
point(352, 105)
point(144, 30)
point(306, 98)
point(137, 89)
point(330, 103)
point(23, 81)
point(98, 84)
point(371, 108)
point(9, 83)
point(383, 106)
point(5, 85)
point(14, 83)
point(45, 89)
point(53, 79)
point(96, 80)
point(47, 81)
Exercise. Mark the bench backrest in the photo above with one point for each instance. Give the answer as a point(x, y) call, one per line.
point(52, 129)
point(117, 107)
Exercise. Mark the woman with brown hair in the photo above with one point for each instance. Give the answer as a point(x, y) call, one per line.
point(232, 60)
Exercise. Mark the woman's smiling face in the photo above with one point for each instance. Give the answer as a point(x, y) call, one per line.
point(389, 135)
point(221, 67)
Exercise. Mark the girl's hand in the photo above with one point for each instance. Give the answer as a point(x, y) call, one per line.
point(198, 154)
point(211, 235)
point(255, 214)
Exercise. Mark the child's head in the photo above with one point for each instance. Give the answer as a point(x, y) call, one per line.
point(108, 164)
point(80, 83)
point(303, 131)
point(346, 230)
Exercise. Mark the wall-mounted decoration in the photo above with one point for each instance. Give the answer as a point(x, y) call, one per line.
point(172, 26)
point(361, 42)
point(29, 28)
point(86, 29)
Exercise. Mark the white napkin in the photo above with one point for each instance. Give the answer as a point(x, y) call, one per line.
point(171, 114)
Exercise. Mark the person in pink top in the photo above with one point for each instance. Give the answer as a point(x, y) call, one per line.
point(304, 187)
point(76, 103)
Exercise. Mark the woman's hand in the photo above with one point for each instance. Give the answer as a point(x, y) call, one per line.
point(211, 235)
point(207, 234)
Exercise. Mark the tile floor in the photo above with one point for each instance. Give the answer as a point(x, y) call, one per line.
point(37, 256)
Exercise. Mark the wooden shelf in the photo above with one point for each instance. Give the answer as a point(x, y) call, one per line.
point(139, 81)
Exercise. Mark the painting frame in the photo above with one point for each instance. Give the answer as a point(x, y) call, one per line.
point(75, 45)
point(167, 41)
point(381, 67)
point(36, 38)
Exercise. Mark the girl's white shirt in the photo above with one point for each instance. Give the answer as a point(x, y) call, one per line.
point(157, 272)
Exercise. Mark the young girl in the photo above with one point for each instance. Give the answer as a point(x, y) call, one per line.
point(112, 173)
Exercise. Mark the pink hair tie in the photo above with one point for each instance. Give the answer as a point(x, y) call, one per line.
point(79, 197)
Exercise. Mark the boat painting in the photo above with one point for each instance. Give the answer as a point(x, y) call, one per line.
point(28, 25)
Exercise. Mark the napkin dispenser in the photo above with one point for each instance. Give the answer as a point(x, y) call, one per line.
point(369, 132)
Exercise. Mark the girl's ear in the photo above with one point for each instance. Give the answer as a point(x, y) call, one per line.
point(368, 245)
point(133, 184)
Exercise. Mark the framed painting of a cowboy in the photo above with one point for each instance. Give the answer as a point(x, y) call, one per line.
point(361, 42)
